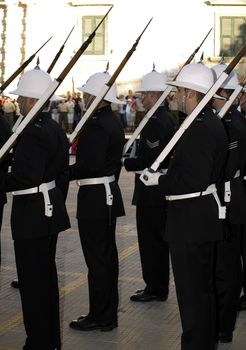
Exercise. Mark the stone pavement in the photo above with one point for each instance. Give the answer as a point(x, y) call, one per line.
point(154, 325)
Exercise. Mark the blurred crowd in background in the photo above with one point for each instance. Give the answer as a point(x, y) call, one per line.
point(70, 109)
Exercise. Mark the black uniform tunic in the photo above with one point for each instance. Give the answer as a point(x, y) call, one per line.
point(40, 156)
point(151, 204)
point(99, 151)
point(228, 261)
point(5, 133)
point(193, 225)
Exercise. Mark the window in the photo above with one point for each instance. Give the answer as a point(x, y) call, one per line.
point(89, 23)
point(232, 35)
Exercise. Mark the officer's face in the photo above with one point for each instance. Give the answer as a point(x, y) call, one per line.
point(146, 100)
point(218, 104)
point(25, 104)
point(181, 99)
point(243, 101)
point(149, 98)
point(187, 100)
point(88, 99)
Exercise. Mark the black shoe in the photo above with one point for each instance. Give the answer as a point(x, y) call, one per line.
point(143, 296)
point(15, 284)
point(242, 303)
point(86, 324)
point(81, 317)
point(225, 337)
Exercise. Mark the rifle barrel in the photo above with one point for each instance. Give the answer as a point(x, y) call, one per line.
point(157, 104)
point(21, 68)
point(105, 88)
point(196, 50)
point(59, 53)
point(81, 50)
point(189, 119)
point(126, 58)
point(235, 60)
point(39, 105)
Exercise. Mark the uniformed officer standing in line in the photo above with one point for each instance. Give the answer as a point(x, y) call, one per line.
point(242, 304)
point(5, 133)
point(228, 276)
point(99, 203)
point(39, 181)
point(195, 218)
point(150, 202)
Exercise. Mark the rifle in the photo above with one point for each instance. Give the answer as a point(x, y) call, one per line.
point(40, 104)
point(231, 99)
point(21, 68)
point(161, 99)
point(59, 53)
point(105, 89)
point(19, 120)
point(195, 112)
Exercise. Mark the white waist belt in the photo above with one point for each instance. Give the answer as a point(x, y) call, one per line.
point(210, 190)
point(162, 171)
point(44, 188)
point(105, 180)
point(227, 194)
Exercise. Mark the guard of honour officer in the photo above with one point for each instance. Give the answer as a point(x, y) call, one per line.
point(38, 180)
point(195, 222)
point(150, 204)
point(228, 272)
point(199, 237)
point(99, 203)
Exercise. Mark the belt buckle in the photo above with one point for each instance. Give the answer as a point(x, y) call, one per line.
point(49, 210)
point(109, 199)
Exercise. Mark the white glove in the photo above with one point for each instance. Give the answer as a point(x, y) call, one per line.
point(150, 178)
point(123, 160)
point(126, 156)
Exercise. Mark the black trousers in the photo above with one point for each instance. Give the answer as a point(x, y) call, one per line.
point(243, 255)
point(228, 279)
point(193, 265)
point(37, 275)
point(154, 251)
point(1, 219)
point(101, 256)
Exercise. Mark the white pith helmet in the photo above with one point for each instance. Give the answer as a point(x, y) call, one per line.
point(33, 83)
point(194, 76)
point(153, 81)
point(95, 83)
point(231, 82)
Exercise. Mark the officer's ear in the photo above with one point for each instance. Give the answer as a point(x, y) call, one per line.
point(32, 101)
point(191, 94)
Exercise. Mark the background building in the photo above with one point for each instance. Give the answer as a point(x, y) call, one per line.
point(177, 28)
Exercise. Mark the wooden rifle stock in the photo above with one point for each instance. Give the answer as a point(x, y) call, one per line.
point(196, 50)
point(58, 53)
point(40, 104)
point(105, 89)
point(211, 92)
point(161, 99)
point(21, 68)
point(126, 58)
point(81, 50)
point(231, 99)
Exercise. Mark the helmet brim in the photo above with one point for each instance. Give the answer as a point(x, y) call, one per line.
point(31, 94)
point(194, 87)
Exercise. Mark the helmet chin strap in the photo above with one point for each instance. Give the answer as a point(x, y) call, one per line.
point(22, 105)
point(183, 104)
point(89, 101)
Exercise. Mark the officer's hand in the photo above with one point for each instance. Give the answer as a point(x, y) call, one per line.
point(124, 157)
point(150, 177)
